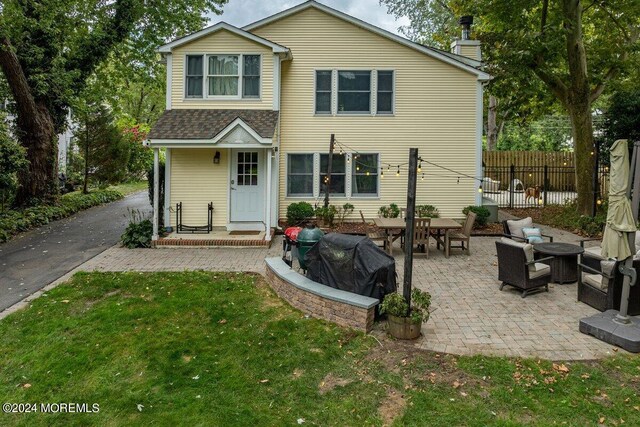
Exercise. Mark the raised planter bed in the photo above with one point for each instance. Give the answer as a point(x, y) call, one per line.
point(324, 302)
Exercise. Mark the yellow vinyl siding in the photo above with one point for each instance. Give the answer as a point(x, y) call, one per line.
point(196, 181)
point(469, 52)
point(222, 41)
point(435, 110)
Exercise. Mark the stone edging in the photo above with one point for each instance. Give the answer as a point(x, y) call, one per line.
point(335, 305)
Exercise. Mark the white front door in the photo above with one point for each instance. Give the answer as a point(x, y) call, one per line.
point(247, 186)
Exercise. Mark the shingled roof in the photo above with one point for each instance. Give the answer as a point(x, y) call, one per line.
point(206, 124)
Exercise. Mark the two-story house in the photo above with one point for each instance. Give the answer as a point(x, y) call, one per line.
point(250, 112)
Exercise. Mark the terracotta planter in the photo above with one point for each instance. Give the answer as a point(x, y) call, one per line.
point(403, 328)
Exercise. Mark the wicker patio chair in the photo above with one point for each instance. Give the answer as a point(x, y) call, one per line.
point(601, 287)
point(516, 234)
point(421, 233)
point(460, 236)
point(517, 268)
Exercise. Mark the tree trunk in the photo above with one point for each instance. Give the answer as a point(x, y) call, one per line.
point(585, 155)
point(37, 182)
point(35, 131)
point(579, 105)
point(492, 129)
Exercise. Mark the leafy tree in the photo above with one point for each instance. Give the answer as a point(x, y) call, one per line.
point(570, 48)
point(622, 119)
point(105, 150)
point(49, 49)
point(12, 160)
point(140, 156)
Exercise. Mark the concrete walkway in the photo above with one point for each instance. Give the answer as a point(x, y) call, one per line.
point(36, 258)
point(470, 315)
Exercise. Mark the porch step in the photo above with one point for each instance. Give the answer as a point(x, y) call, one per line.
point(216, 242)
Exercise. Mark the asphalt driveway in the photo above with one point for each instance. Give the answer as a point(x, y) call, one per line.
point(34, 259)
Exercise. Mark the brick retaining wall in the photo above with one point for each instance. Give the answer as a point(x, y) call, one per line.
point(328, 304)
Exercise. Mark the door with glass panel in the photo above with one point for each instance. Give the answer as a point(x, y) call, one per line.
point(247, 186)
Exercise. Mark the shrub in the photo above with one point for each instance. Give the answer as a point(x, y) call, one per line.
point(16, 221)
point(299, 213)
point(345, 211)
point(427, 211)
point(138, 233)
point(395, 305)
point(482, 214)
point(327, 215)
point(391, 211)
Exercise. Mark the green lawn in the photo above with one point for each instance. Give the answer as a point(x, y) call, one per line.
point(221, 349)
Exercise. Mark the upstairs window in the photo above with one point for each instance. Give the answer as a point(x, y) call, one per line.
point(194, 76)
point(338, 175)
point(323, 92)
point(251, 76)
point(223, 75)
point(227, 76)
point(385, 92)
point(354, 91)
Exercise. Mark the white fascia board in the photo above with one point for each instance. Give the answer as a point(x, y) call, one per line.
point(482, 76)
point(167, 48)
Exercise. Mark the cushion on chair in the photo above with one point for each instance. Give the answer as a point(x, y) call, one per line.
point(532, 234)
point(594, 252)
point(595, 280)
point(516, 225)
point(526, 247)
point(607, 267)
point(538, 269)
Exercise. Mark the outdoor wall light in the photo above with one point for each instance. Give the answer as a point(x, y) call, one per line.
point(216, 158)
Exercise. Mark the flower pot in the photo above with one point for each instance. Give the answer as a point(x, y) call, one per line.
point(403, 327)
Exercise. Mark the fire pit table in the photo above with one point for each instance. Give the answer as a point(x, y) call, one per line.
point(564, 265)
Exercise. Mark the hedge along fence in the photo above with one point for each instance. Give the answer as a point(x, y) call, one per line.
point(16, 221)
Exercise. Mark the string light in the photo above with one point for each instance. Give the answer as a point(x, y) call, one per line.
point(458, 180)
point(381, 173)
point(420, 167)
point(422, 179)
point(357, 168)
point(398, 172)
point(480, 189)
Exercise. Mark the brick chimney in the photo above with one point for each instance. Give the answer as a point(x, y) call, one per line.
point(465, 46)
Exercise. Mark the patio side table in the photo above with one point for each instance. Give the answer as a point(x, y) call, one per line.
point(564, 265)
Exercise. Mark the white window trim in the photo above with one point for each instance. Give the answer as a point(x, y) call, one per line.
point(365, 196)
point(313, 185)
point(393, 93)
point(206, 75)
point(317, 185)
point(371, 91)
point(315, 93)
point(373, 99)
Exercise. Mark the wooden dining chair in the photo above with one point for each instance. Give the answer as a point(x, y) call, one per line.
point(461, 236)
point(376, 235)
point(421, 233)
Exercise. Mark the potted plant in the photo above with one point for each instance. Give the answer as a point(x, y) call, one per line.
point(404, 321)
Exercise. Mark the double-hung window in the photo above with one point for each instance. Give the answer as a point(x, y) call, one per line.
point(251, 76)
point(300, 175)
point(364, 175)
point(385, 92)
point(223, 75)
point(227, 76)
point(354, 91)
point(194, 76)
point(323, 92)
point(338, 174)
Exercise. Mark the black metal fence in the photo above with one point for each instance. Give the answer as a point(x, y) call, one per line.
point(518, 186)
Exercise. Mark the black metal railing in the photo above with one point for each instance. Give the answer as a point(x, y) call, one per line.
point(518, 186)
point(183, 228)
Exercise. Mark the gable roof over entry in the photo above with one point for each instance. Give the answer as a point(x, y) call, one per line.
point(212, 125)
point(467, 64)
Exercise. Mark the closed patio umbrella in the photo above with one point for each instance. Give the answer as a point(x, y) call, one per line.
point(620, 221)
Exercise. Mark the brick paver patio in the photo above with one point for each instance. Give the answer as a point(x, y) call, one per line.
point(470, 315)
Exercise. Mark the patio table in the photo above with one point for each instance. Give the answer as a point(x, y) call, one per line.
point(439, 225)
point(564, 266)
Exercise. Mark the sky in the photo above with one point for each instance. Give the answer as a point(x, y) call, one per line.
point(243, 12)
